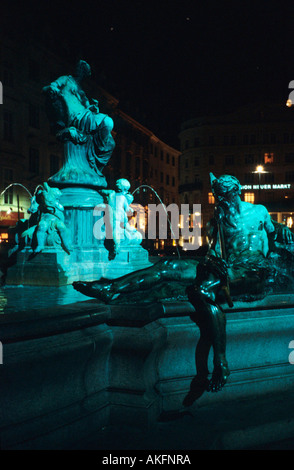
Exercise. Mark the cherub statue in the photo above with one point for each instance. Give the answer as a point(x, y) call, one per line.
point(48, 214)
point(118, 213)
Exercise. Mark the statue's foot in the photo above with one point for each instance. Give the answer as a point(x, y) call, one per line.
point(219, 377)
point(101, 291)
point(198, 386)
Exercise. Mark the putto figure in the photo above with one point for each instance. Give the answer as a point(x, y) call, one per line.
point(245, 260)
point(79, 122)
point(48, 215)
point(118, 203)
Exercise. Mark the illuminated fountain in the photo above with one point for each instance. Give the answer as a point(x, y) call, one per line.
point(68, 245)
point(75, 367)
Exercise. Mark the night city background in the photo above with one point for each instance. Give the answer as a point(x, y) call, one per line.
point(169, 61)
point(90, 359)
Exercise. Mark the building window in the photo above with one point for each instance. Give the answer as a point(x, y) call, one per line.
point(289, 176)
point(8, 196)
point(173, 181)
point(34, 70)
point(249, 197)
point(269, 178)
point(8, 79)
point(137, 167)
point(167, 179)
point(161, 177)
point(167, 158)
point(289, 158)
point(229, 160)
point(8, 126)
point(211, 198)
point(128, 163)
point(173, 161)
point(249, 178)
point(226, 140)
point(249, 159)
point(34, 160)
point(34, 116)
point(268, 158)
point(286, 138)
point(161, 155)
point(7, 180)
point(54, 164)
point(253, 139)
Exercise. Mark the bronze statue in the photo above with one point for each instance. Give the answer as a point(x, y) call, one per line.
point(243, 261)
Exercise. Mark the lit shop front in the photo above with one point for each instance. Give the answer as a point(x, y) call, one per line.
point(278, 199)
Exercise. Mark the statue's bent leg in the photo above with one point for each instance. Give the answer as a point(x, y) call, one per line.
point(142, 280)
point(64, 237)
point(212, 324)
point(41, 235)
point(105, 289)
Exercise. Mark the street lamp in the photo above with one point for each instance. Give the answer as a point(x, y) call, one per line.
point(259, 170)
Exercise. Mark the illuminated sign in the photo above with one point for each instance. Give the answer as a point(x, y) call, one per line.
point(265, 186)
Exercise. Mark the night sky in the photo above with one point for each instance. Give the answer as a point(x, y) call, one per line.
point(167, 61)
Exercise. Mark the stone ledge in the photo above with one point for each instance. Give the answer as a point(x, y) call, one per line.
point(143, 369)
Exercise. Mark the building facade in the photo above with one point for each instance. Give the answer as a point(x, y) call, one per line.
point(255, 144)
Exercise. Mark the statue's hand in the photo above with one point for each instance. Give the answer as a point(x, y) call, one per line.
point(218, 267)
point(94, 106)
point(51, 90)
point(284, 235)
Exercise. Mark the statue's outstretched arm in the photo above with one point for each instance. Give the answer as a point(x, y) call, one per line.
point(282, 233)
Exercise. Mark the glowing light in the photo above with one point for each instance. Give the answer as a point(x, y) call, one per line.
point(259, 169)
point(9, 211)
point(289, 103)
point(289, 222)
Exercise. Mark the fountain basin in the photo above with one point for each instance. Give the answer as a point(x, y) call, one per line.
point(70, 370)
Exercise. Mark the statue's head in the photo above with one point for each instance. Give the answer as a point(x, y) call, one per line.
point(122, 185)
point(83, 70)
point(225, 188)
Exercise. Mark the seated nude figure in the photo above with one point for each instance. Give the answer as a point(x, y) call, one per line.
point(241, 257)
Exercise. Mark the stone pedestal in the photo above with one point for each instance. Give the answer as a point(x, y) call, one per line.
point(73, 371)
point(89, 259)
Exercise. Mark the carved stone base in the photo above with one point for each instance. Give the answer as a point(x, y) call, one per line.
point(56, 268)
point(76, 372)
point(89, 259)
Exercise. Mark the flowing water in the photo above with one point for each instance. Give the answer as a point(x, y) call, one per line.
point(160, 200)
